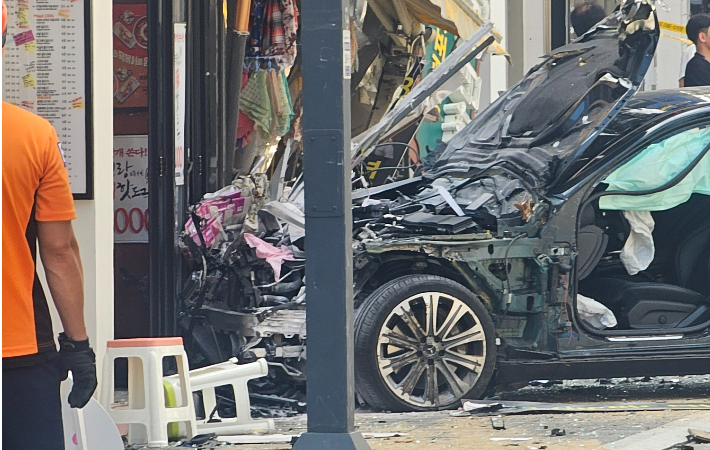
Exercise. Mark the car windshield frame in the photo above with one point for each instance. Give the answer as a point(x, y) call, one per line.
point(627, 147)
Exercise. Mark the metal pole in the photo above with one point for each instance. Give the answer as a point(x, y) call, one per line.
point(161, 163)
point(326, 135)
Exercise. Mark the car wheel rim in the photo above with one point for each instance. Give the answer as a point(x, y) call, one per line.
point(431, 349)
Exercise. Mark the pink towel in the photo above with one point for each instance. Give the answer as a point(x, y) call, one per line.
point(274, 256)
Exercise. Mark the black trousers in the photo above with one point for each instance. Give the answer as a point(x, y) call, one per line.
point(31, 407)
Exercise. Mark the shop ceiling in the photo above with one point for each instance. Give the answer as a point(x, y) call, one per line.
point(459, 17)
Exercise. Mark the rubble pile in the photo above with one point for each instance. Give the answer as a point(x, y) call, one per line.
point(246, 295)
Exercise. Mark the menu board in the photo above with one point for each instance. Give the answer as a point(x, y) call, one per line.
point(44, 71)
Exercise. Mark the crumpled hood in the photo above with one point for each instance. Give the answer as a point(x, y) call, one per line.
point(551, 117)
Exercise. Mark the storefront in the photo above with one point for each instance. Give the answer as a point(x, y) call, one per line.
point(144, 99)
point(171, 142)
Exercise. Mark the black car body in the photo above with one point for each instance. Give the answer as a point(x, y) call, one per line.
point(470, 276)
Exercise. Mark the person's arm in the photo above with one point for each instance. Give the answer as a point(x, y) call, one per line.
point(54, 211)
point(59, 251)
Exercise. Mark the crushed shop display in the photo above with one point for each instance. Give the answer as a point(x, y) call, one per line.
point(466, 275)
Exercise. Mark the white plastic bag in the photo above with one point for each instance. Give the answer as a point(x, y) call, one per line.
point(598, 315)
point(639, 250)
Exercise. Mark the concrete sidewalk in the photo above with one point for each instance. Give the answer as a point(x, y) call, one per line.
point(645, 430)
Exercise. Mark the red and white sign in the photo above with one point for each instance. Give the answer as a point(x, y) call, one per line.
point(130, 189)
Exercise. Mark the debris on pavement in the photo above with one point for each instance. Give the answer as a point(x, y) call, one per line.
point(291, 438)
point(498, 423)
point(382, 435)
point(699, 435)
point(558, 432)
point(505, 407)
point(544, 383)
point(265, 439)
point(480, 407)
point(198, 440)
point(510, 439)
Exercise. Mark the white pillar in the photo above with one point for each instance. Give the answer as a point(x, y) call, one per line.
point(669, 52)
point(95, 217)
point(498, 77)
point(527, 35)
point(94, 224)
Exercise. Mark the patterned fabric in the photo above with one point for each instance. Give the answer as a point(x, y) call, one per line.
point(255, 101)
point(276, 104)
point(274, 36)
point(245, 126)
point(257, 28)
point(284, 119)
point(354, 48)
point(281, 31)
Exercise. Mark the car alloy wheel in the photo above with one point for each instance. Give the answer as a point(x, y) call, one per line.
point(431, 349)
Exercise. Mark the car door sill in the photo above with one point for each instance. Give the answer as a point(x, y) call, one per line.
point(645, 338)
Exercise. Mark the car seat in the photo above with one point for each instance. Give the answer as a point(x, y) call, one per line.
point(591, 243)
point(649, 305)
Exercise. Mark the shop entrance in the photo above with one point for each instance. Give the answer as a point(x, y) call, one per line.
point(130, 168)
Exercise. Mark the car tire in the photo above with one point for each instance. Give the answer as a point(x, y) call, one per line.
point(399, 367)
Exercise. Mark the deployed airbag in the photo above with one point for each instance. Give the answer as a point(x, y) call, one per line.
point(639, 250)
point(596, 314)
point(656, 165)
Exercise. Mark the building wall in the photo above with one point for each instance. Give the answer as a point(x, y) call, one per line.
point(527, 35)
point(498, 65)
point(525, 25)
point(666, 68)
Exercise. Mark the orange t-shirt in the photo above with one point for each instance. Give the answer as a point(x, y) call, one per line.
point(35, 187)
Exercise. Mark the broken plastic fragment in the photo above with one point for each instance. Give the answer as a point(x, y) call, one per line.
point(274, 256)
point(450, 200)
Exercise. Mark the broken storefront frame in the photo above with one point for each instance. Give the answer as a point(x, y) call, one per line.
point(246, 296)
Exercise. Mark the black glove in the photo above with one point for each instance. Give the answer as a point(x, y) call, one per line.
point(78, 357)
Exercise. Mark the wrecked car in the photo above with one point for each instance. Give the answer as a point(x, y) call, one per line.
point(564, 233)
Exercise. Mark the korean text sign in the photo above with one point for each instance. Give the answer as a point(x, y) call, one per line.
point(130, 189)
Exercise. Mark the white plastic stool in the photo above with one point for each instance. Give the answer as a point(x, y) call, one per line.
point(227, 374)
point(146, 399)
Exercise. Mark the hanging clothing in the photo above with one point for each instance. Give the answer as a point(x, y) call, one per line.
point(257, 28)
point(245, 126)
point(354, 47)
point(286, 106)
point(281, 31)
point(281, 108)
point(274, 35)
point(255, 101)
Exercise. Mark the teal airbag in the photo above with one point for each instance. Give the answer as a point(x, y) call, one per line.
point(655, 166)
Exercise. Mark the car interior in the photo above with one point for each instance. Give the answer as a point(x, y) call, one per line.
point(674, 291)
point(654, 275)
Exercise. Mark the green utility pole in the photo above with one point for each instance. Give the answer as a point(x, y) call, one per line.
point(326, 54)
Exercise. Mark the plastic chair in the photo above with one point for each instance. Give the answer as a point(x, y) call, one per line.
point(147, 416)
point(227, 374)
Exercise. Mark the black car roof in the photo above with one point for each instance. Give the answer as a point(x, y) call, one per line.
point(647, 106)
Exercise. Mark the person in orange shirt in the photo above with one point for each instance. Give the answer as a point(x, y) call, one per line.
point(37, 207)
